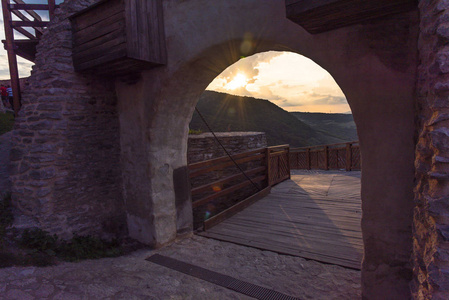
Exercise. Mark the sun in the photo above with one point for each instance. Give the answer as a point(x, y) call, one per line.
point(239, 80)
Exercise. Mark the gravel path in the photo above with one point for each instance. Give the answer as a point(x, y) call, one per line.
point(131, 277)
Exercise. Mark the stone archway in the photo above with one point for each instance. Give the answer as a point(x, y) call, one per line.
point(374, 64)
point(377, 78)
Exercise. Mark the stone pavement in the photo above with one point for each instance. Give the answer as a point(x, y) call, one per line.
point(132, 277)
point(5, 146)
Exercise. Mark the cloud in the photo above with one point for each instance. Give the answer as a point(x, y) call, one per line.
point(330, 100)
point(249, 66)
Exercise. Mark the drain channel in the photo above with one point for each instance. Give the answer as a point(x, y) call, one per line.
point(229, 282)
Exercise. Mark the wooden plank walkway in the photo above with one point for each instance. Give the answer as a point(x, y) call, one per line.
point(315, 215)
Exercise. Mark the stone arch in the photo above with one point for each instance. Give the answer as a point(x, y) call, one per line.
point(378, 80)
point(374, 63)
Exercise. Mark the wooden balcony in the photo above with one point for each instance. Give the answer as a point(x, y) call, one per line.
point(318, 16)
point(119, 37)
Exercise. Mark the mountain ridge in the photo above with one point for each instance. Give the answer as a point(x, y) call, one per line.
point(225, 112)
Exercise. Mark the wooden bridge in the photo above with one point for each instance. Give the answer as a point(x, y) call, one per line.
point(308, 213)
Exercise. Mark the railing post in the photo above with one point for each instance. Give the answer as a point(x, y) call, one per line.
point(288, 162)
point(326, 158)
point(12, 59)
point(267, 158)
point(51, 9)
point(348, 157)
point(297, 161)
point(309, 165)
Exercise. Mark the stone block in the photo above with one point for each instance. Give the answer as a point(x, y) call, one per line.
point(16, 154)
point(49, 107)
point(44, 125)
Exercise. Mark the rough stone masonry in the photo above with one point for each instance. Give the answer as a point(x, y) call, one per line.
point(65, 160)
point(431, 222)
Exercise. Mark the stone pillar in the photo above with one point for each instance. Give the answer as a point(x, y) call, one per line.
point(431, 214)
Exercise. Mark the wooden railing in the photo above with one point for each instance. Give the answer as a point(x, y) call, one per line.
point(26, 48)
point(343, 156)
point(278, 164)
point(219, 184)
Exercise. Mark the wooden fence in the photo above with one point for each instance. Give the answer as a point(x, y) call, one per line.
point(217, 180)
point(343, 156)
point(278, 164)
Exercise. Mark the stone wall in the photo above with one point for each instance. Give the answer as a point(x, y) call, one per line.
point(431, 222)
point(67, 143)
point(204, 146)
point(65, 157)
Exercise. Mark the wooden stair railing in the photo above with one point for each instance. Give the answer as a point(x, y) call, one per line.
point(25, 48)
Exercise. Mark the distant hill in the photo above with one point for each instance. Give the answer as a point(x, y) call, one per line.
point(340, 126)
point(226, 112)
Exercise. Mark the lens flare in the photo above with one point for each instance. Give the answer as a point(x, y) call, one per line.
point(239, 80)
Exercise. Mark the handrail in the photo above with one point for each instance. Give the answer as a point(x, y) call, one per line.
point(216, 178)
point(320, 146)
point(326, 157)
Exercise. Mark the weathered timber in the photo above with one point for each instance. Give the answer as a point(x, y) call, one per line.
point(119, 37)
point(15, 24)
point(342, 156)
point(318, 16)
point(278, 164)
point(228, 190)
point(210, 186)
point(263, 167)
point(26, 48)
point(227, 162)
point(314, 215)
point(209, 223)
point(29, 10)
point(23, 48)
point(12, 58)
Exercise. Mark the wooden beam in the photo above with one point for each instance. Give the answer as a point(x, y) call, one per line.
point(348, 156)
point(30, 12)
point(29, 24)
point(39, 31)
point(318, 16)
point(228, 191)
point(26, 48)
point(227, 164)
point(326, 158)
point(209, 186)
point(51, 9)
point(221, 159)
point(301, 6)
point(25, 33)
point(12, 59)
point(28, 6)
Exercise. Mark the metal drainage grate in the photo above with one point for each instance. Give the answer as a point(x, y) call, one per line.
point(229, 282)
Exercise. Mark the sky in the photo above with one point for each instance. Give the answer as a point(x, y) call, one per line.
point(23, 64)
point(289, 80)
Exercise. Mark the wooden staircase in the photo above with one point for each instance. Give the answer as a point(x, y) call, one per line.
point(22, 18)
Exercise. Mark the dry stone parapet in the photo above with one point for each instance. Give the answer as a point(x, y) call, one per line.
point(204, 146)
